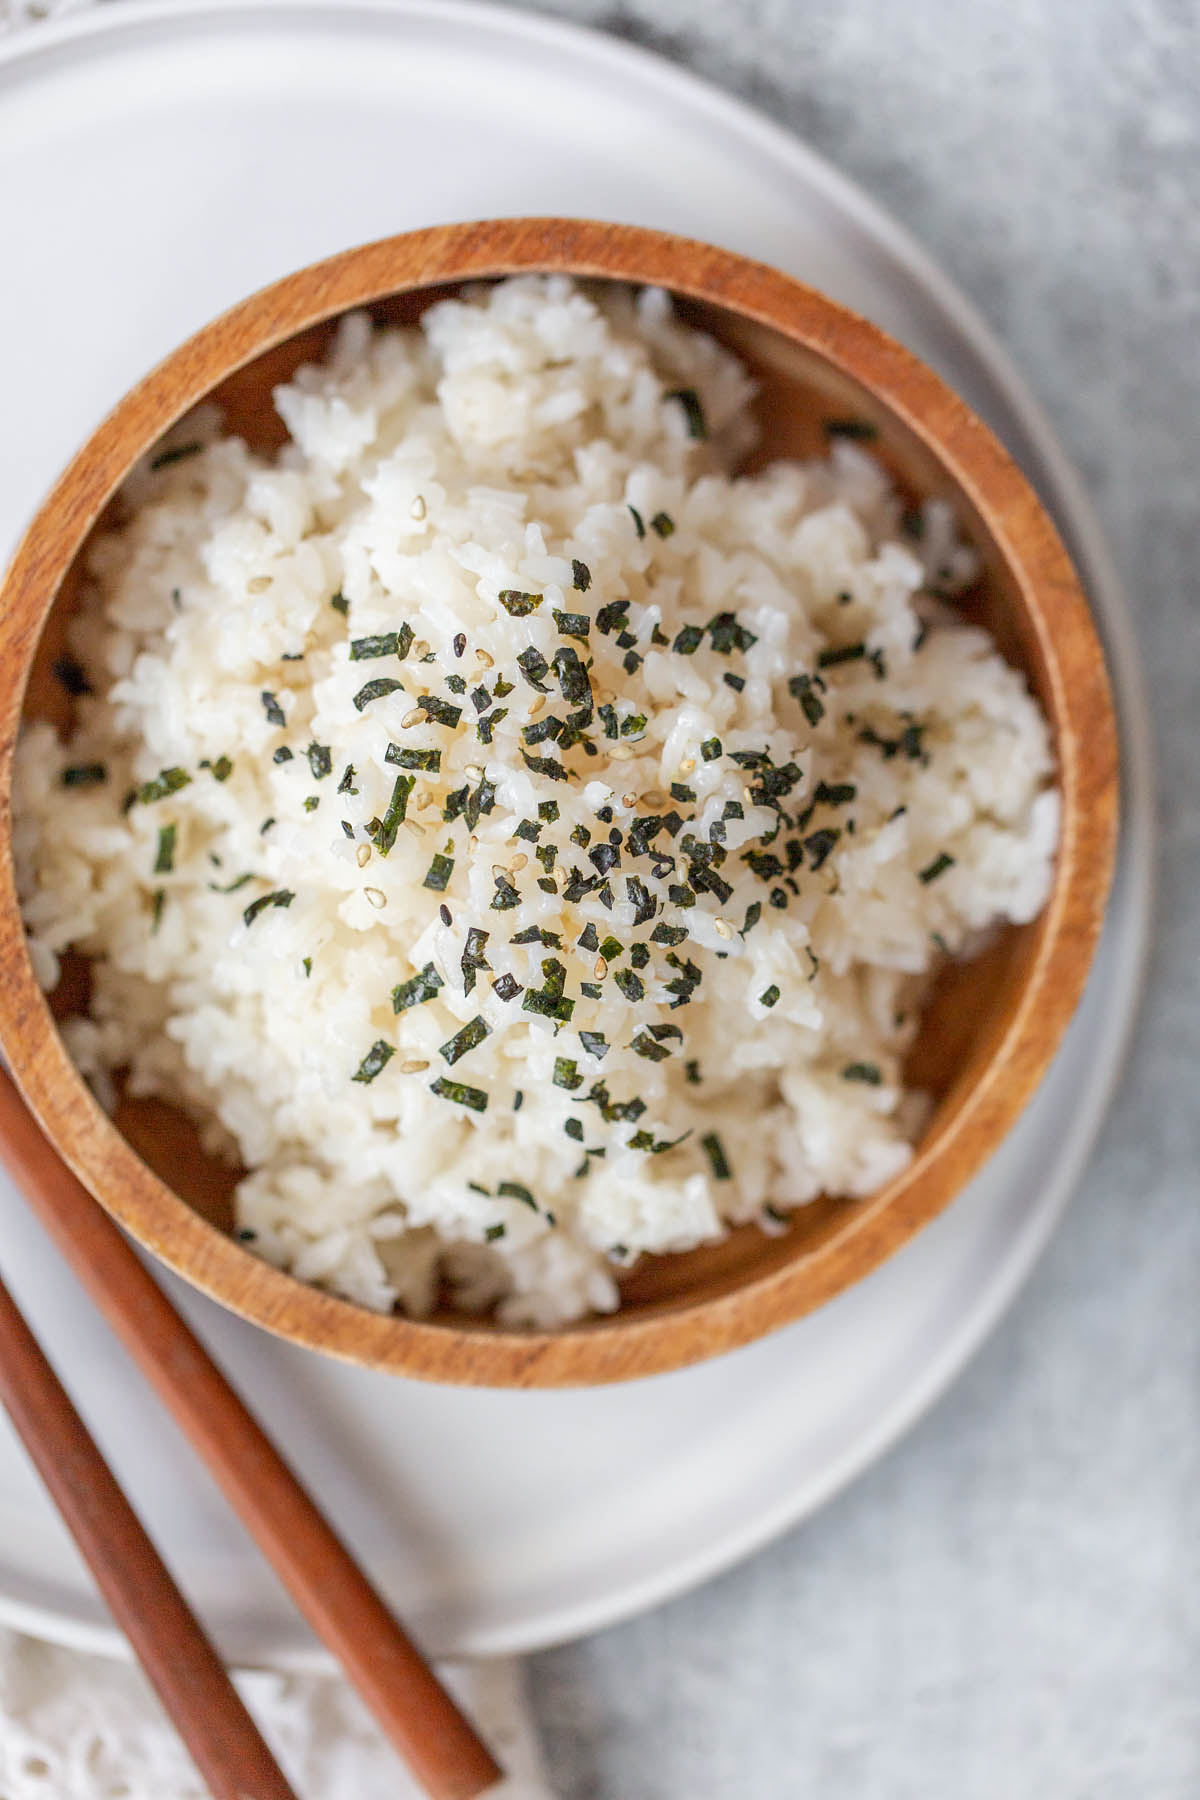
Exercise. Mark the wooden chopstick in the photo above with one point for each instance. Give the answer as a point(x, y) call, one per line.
point(438, 1742)
point(186, 1672)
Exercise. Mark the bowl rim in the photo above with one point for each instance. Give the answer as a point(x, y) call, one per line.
point(617, 1346)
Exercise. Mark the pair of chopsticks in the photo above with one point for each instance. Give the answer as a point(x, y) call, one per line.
point(441, 1747)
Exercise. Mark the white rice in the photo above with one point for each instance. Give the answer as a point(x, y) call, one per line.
point(520, 434)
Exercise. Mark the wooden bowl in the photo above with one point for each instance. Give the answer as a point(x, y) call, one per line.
point(992, 1025)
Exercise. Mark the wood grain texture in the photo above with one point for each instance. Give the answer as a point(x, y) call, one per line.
point(184, 1669)
point(434, 1737)
point(993, 1025)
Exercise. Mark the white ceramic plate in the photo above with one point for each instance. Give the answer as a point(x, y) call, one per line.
point(158, 162)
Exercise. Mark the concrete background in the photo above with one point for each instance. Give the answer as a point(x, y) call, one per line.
point(1008, 1607)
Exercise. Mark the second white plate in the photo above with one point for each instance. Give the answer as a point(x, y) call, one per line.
point(182, 154)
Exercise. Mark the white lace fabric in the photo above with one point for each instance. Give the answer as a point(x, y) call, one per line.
point(79, 1727)
point(82, 1727)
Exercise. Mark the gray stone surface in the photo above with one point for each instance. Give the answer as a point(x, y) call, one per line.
point(1008, 1607)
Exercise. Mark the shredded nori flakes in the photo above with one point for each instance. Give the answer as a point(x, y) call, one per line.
point(282, 897)
point(428, 760)
point(282, 755)
point(340, 603)
point(168, 782)
point(863, 1071)
point(726, 635)
point(670, 935)
point(516, 1190)
point(572, 624)
point(663, 524)
point(533, 666)
point(688, 640)
point(566, 1073)
point(272, 708)
point(845, 653)
point(611, 618)
point(803, 688)
point(439, 873)
point(70, 674)
point(718, 1161)
point(393, 818)
point(693, 411)
point(178, 453)
point(462, 1095)
point(544, 765)
point(488, 724)
point(91, 775)
point(376, 690)
point(517, 604)
point(860, 430)
point(506, 896)
point(769, 996)
point(164, 861)
point(466, 1039)
point(473, 958)
point(387, 643)
point(440, 711)
point(480, 801)
point(937, 867)
point(631, 985)
point(506, 987)
point(819, 844)
point(417, 989)
point(639, 524)
point(375, 1061)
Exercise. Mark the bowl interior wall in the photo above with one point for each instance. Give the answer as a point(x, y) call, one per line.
point(972, 1004)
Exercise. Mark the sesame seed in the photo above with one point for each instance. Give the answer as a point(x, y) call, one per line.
point(599, 968)
point(498, 869)
point(519, 861)
point(537, 706)
point(413, 1066)
point(258, 585)
point(363, 855)
point(481, 656)
point(376, 896)
point(723, 928)
point(620, 753)
point(420, 649)
point(427, 800)
point(413, 718)
point(412, 826)
point(418, 508)
point(473, 772)
point(654, 797)
point(629, 800)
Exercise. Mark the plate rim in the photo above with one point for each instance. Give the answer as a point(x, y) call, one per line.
point(1075, 515)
